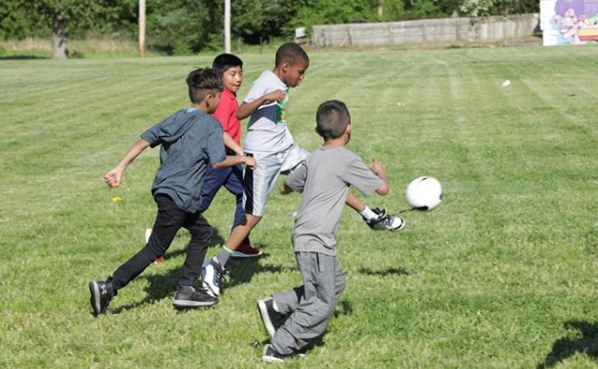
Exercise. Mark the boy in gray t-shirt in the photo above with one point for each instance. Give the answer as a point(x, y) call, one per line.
point(191, 140)
point(324, 179)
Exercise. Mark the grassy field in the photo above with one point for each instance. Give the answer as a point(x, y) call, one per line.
point(502, 275)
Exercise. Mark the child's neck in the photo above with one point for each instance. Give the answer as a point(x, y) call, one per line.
point(335, 142)
point(201, 106)
point(278, 73)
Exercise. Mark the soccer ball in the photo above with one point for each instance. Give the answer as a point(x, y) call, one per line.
point(424, 193)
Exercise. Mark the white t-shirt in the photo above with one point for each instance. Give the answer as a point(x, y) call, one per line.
point(267, 130)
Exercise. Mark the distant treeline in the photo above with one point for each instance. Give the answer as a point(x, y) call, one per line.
point(184, 26)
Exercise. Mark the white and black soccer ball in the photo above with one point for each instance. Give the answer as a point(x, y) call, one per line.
point(424, 193)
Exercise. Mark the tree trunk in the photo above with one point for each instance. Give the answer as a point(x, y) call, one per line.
point(59, 40)
point(380, 9)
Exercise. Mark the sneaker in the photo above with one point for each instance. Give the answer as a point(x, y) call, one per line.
point(385, 221)
point(271, 318)
point(101, 294)
point(272, 356)
point(211, 275)
point(188, 296)
point(246, 251)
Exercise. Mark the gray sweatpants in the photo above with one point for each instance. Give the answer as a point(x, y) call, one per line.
point(310, 306)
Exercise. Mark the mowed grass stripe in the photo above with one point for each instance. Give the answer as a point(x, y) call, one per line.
point(489, 279)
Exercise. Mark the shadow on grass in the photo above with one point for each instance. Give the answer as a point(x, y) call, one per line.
point(164, 284)
point(23, 57)
point(566, 347)
point(383, 273)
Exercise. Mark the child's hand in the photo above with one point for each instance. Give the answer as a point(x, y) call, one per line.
point(276, 96)
point(378, 168)
point(113, 177)
point(250, 162)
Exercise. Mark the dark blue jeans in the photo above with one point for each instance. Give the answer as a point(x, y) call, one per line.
point(168, 221)
point(230, 178)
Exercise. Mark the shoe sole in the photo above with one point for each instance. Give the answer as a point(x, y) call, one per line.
point(271, 359)
point(209, 289)
point(399, 227)
point(242, 255)
point(188, 304)
point(95, 297)
point(261, 305)
point(205, 284)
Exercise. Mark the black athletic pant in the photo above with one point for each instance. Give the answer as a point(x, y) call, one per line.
point(168, 221)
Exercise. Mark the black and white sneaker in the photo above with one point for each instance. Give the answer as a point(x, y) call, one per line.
point(188, 296)
point(385, 221)
point(101, 295)
point(271, 318)
point(211, 275)
point(272, 356)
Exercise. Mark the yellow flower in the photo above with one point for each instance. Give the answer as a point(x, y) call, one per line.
point(116, 199)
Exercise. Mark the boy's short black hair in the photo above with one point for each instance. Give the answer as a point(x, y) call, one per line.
point(290, 53)
point(225, 61)
point(332, 119)
point(203, 81)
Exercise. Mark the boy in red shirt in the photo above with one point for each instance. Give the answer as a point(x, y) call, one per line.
point(230, 67)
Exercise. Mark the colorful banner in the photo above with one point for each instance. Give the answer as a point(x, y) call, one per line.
point(569, 22)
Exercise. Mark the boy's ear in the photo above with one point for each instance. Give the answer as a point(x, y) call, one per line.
point(349, 128)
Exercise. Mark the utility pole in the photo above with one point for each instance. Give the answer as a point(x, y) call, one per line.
point(227, 26)
point(141, 28)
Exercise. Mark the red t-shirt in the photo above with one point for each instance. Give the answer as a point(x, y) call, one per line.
point(226, 113)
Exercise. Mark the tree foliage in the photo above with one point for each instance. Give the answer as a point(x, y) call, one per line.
point(185, 26)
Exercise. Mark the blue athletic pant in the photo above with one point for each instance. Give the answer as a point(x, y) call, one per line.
point(230, 178)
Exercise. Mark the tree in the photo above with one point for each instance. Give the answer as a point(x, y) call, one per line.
point(64, 17)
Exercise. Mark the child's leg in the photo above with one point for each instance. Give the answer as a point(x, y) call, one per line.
point(258, 184)
point(286, 302)
point(234, 184)
point(316, 308)
point(168, 221)
point(201, 234)
point(236, 237)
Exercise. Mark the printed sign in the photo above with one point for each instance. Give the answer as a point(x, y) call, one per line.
point(569, 22)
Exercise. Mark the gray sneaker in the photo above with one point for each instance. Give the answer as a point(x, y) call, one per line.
point(188, 296)
point(271, 318)
point(272, 356)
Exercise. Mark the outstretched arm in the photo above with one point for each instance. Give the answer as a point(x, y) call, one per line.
point(248, 161)
point(114, 177)
point(246, 109)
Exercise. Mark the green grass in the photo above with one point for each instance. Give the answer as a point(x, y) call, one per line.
point(502, 275)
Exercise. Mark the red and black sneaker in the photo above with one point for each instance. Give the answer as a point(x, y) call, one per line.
point(246, 251)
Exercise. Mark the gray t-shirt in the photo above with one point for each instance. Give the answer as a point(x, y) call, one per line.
point(324, 178)
point(267, 130)
point(191, 140)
